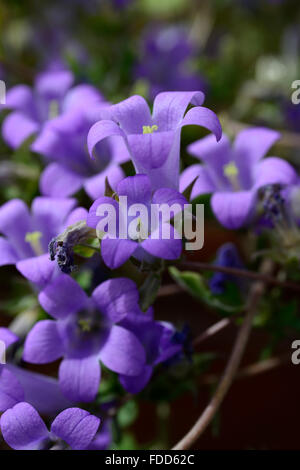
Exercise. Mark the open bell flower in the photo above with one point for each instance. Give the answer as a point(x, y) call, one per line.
point(85, 332)
point(63, 144)
point(153, 140)
point(234, 173)
point(156, 240)
point(17, 384)
point(50, 96)
point(158, 339)
point(23, 429)
point(11, 391)
point(26, 234)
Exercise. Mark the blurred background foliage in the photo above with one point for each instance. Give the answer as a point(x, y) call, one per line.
point(245, 55)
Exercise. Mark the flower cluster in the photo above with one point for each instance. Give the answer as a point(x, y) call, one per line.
point(108, 328)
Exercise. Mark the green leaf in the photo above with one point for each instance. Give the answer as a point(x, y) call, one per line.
point(178, 378)
point(188, 190)
point(127, 414)
point(148, 290)
point(88, 248)
point(194, 284)
point(84, 278)
point(84, 251)
point(127, 442)
point(109, 192)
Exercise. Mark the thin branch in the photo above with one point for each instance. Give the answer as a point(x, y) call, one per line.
point(211, 331)
point(252, 369)
point(263, 366)
point(170, 289)
point(252, 275)
point(255, 294)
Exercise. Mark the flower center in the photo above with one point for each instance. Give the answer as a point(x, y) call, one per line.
point(85, 325)
point(85, 332)
point(53, 109)
point(34, 239)
point(89, 322)
point(231, 172)
point(150, 129)
point(141, 230)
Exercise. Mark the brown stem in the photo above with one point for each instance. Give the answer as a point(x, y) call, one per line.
point(169, 289)
point(255, 294)
point(263, 366)
point(254, 276)
point(252, 369)
point(212, 330)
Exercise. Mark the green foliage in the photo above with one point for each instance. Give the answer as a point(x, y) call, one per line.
point(84, 278)
point(126, 442)
point(128, 413)
point(148, 290)
point(170, 382)
point(88, 248)
point(194, 283)
point(248, 67)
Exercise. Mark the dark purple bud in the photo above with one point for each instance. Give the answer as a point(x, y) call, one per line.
point(61, 248)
